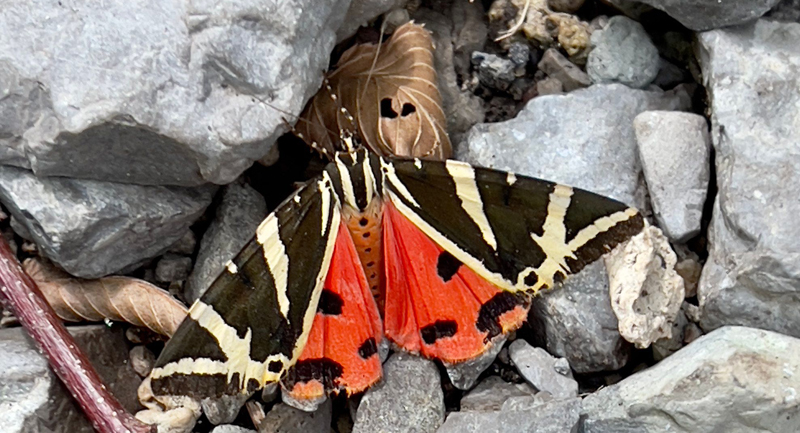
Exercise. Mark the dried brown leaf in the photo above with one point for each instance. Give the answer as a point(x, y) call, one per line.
point(391, 91)
point(116, 298)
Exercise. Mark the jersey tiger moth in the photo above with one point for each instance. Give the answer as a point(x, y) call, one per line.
point(452, 253)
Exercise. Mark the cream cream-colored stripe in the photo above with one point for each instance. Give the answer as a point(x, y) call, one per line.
point(553, 238)
point(369, 178)
point(467, 191)
point(347, 183)
point(600, 225)
point(236, 349)
point(232, 268)
point(511, 178)
point(324, 186)
point(391, 176)
point(268, 235)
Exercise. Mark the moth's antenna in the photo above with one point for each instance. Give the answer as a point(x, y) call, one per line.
point(322, 150)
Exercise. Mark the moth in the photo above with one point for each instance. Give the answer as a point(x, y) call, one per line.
point(439, 258)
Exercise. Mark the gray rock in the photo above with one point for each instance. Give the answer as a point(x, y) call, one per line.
point(159, 92)
point(734, 379)
point(409, 399)
point(228, 428)
point(223, 409)
point(464, 375)
point(623, 53)
point(32, 399)
point(675, 149)
point(752, 276)
point(702, 15)
point(520, 54)
point(667, 346)
point(492, 392)
point(549, 86)
point(456, 35)
point(542, 370)
point(670, 75)
point(361, 12)
point(785, 10)
point(240, 211)
point(555, 65)
point(567, 6)
point(576, 322)
point(184, 246)
point(519, 87)
point(286, 419)
point(93, 228)
point(172, 267)
point(584, 138)
point(558, 416)
point(493, 71)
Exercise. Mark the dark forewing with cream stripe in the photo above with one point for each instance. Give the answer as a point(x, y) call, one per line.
point(518, 232)
point(252, 323)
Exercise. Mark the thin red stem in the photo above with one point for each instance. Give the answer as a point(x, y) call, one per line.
point(19, 294)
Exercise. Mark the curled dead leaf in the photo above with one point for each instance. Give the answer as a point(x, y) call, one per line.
point(391, 91)
point(116, 298)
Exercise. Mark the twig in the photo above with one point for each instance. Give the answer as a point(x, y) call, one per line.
point(19, 294)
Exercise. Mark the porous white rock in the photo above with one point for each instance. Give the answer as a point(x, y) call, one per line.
point(646, 291)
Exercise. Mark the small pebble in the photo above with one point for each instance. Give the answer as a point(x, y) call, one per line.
point(172, 267)
point(542, 370)
point(142, 360)
point(493, 71)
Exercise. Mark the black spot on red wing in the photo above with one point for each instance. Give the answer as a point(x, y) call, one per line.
point(447, 266)
point(437, 330)
point(490, 312)
point(363, 222)
point(386, 109)
point(330, 303)
point(275, 366)
point(368, 348)
point(324, 370)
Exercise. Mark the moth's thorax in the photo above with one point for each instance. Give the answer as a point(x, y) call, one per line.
point(356, 178)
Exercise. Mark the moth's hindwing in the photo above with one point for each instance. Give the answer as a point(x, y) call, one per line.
point(517, 232)
point(252, 323)
point(341, 355)
point(435, 306)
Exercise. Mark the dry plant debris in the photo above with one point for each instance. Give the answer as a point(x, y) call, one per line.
point(115, 298)
point(388, 93)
